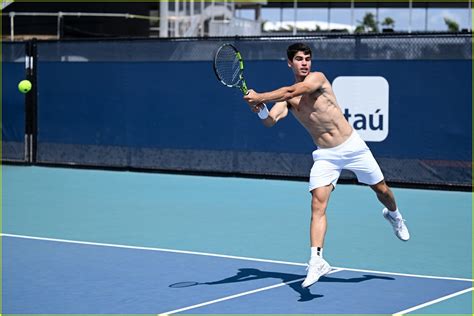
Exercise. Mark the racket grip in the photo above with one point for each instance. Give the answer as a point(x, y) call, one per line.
point(263, 114)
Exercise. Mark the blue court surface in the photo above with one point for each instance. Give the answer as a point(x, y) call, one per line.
point(102, 242)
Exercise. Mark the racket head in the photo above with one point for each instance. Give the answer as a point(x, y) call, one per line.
point(183, 284)
point(229, 67)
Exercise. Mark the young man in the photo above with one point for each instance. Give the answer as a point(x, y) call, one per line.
point(312, 102)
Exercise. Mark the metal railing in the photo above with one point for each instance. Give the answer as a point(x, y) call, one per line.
point(179, 25)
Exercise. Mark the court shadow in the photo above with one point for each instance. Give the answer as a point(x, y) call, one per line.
point(365, 277)
point(250, 274)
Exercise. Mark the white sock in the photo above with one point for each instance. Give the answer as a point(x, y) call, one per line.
point(316, 252)
point(396, 214)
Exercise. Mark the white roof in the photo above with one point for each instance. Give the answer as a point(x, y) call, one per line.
point(304, 25)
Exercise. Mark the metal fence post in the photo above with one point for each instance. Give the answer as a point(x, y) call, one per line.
point(31, 110)
point(59, 27)
point(12, 26)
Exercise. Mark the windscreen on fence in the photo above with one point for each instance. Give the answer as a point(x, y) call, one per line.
point(156, 104)
point(13, 102)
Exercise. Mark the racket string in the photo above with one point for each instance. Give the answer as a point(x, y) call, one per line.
point(228, 66)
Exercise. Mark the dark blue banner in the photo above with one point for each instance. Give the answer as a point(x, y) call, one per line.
point(181, 105)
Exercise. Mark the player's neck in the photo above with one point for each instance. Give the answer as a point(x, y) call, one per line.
point(299, 78)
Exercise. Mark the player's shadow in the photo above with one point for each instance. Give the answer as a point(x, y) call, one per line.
point(250, 274)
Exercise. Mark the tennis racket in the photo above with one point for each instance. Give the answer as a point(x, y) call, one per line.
point(229, 69)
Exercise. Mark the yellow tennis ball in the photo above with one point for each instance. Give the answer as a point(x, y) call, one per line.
point(24, 86)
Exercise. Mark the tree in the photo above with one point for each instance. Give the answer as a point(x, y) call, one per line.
point(359, 29)
point(453, 26)
point(389, 22)
point(368, 24)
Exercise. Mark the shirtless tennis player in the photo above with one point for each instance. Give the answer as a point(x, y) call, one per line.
point(313, 103)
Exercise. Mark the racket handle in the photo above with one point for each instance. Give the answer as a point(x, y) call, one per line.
point(263, 114)
point(243, 87)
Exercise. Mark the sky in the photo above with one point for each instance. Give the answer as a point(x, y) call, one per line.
point(434, 21)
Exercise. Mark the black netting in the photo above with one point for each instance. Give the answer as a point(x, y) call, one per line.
point(327, 47)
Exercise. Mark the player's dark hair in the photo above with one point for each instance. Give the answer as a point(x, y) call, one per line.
point(298, 47)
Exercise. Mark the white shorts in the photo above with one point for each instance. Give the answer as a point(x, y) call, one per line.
point(353, 155)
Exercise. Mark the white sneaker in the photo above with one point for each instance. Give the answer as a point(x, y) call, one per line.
point(399, 227)
point(316, 270)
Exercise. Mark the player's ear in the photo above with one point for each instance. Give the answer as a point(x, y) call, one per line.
point(290, 63)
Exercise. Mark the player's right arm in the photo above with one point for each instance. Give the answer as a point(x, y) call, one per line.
point(313, 82)
point(278, 111)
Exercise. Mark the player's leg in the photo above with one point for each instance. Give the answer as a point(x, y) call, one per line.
point(322, 181)
point(323, 178)
point(385, 195)
point(319, 202)
point(367, 170)
point(317, 266)
point(391, 212)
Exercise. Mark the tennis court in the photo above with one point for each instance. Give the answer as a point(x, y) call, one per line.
point(106, 242)
point(139, 184)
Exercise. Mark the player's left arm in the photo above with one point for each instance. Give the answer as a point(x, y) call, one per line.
point(313, 82)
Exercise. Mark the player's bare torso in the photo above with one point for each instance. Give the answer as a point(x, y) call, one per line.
point(322, 117)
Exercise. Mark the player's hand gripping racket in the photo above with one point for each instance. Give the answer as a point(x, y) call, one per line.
point(229, 69)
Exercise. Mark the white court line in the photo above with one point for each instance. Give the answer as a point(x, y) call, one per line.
point(414, 308)
point(151, 249)
point(237, 295)
point(226, 256)
point(408, 275)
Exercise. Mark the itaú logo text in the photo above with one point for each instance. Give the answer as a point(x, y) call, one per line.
point(364, 102)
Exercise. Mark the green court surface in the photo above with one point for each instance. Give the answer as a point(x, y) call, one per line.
point(265, 219)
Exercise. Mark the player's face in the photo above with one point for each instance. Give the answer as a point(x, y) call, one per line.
point(301, 64)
